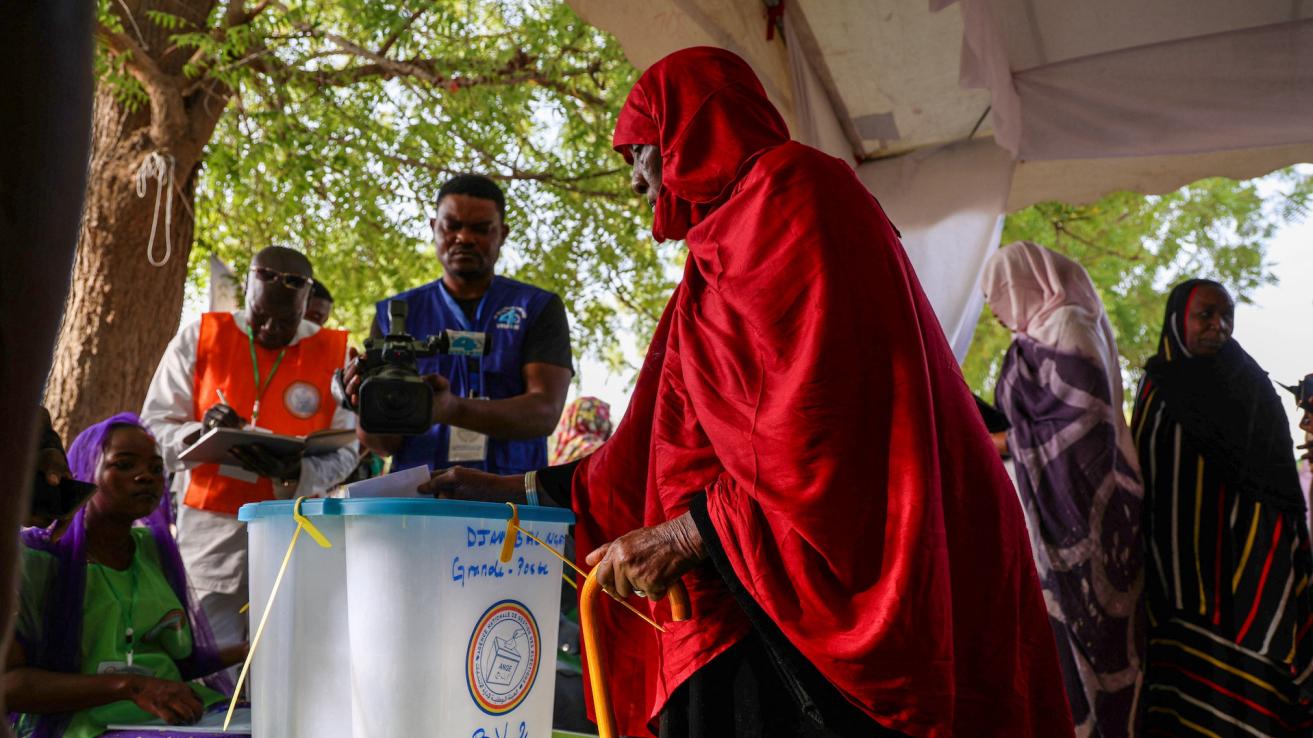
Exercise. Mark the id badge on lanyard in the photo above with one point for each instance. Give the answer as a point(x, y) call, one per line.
point(464, 444)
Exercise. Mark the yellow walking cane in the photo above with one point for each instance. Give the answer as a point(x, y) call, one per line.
point(589, 600)
point(588, 603)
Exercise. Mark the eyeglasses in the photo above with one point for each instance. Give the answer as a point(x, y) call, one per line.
point(290, 281)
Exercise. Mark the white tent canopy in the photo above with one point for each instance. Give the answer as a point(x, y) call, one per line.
point(956, 111)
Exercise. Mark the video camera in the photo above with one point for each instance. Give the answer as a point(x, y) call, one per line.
point(393, 399)
point(1303, 393)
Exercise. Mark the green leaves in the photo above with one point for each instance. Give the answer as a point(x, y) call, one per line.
point(1136, 247)
point(167, 21)
point(349, 115)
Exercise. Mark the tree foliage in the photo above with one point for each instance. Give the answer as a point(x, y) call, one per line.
point(345, 117)
point(1135, 247)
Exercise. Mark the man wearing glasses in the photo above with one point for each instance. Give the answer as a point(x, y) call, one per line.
point(263, 367)
point(492, 412)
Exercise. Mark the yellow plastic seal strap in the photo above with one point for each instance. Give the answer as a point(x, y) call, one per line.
point(509, 547)
point(302, 524)
point(512, 525)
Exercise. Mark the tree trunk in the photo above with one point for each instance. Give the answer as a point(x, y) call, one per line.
point(122, 310)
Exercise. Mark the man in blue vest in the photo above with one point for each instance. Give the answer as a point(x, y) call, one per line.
point(493, 413)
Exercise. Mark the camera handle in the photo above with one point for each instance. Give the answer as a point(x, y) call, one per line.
point(397, 311)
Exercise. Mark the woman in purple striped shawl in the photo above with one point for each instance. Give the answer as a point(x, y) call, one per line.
point(107, 632)
point(1077, 476)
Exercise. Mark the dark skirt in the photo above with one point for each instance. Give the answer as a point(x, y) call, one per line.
point(746, 692)
point(761, 687)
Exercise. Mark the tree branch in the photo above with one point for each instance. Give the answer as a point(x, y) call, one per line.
point(395, 35)
point(1061, 230)
point(547, 178)
point(236, 13)
point(619, 293)
point(517, 70)
point(168, 115)
point(140, 63)
point(382, 66)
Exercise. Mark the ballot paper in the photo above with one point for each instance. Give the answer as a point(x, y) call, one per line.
point(210, 724)
point(397, 484)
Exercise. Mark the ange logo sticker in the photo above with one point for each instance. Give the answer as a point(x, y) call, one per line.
point(501, 664)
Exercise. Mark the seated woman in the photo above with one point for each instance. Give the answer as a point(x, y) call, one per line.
point(1227, 564)
point(106, 632)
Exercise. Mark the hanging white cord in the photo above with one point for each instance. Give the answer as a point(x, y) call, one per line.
point(159, 167)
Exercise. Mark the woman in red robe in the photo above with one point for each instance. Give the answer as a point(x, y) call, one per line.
point(802, 449)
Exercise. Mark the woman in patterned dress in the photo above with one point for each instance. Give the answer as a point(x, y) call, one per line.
point(1227, 560)
point(1061, 389)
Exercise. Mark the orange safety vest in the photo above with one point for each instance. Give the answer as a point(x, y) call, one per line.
point(298, 401)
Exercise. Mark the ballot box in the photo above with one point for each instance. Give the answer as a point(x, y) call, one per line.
point(409, 625)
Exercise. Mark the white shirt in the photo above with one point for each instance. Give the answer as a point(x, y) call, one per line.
point(214, 544)
point(168, 412)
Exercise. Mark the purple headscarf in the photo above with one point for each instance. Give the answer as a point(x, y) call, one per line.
point(59, 648)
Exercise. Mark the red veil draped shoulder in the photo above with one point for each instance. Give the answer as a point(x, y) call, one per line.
point(800, 380)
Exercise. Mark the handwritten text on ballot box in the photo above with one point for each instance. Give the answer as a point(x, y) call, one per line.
point(439, 638)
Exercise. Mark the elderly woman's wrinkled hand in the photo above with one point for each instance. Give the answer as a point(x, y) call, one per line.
point(461, 483)
point(647, 561)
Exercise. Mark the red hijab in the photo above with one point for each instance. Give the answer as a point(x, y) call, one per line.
point(800, 380)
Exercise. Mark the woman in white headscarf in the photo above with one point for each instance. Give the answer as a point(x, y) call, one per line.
point(1077, 475)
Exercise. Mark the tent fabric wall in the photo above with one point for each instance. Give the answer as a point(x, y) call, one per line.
point(1081, 181)
point(815, 121)
point(948, 204)
point(650, 29)
point(1186, 77)
point(1245, 88)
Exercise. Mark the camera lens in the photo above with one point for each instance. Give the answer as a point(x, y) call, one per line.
point(394, 402)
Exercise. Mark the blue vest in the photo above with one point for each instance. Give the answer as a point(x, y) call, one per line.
point(506, 311)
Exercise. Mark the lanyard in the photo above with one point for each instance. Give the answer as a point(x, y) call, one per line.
point(464, 364)
point(458, 312)
point(255, 367)
point(129, 607)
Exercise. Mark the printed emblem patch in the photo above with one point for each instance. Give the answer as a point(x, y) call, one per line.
point(510, 317)
point(502, 662)
point(301, 399)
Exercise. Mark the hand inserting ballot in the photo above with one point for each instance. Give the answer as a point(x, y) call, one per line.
point(462, 483)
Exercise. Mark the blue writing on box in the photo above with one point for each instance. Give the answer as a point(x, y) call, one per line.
point(503, 732)
point(468, 571)
point(522, 731)
point(480, 537)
